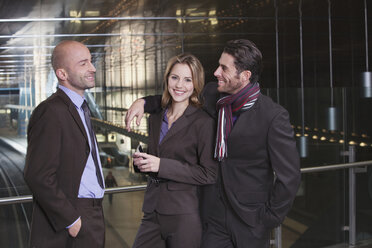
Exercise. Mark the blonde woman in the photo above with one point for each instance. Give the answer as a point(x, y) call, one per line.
point(179, 160)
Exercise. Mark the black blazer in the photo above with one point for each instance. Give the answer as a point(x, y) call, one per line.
point(57, 152)
point(186, 162)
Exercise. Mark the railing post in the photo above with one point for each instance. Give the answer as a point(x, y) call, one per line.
point(352, 198)
point(278, 237)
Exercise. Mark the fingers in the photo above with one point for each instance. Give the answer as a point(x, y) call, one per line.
point(129, 116)
point(135, 110)
point(143, 165)
point(148, 163)
point(128, 119)
point(139, 155)
point(139, 118)
point(75, 229)
point(142, 155)
point(139, 159)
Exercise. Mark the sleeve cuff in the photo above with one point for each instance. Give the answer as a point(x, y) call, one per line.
point(73, 223)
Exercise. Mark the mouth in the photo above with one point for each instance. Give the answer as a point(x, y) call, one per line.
point(179, 92)
point(90, 77)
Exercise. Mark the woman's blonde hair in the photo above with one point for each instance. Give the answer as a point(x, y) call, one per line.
point(197, 72)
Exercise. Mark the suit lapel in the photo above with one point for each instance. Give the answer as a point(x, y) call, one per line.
point(248, 117)
point(157, 121)
point(179, 124)
point(73, 111)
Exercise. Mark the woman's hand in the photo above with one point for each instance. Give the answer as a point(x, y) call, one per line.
point(146, 162)
point(135, 110)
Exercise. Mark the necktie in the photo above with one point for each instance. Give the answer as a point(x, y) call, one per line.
point(92, 141)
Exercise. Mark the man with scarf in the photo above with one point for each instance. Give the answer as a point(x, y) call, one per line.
point(259, 171)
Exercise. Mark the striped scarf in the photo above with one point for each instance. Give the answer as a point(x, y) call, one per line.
point(227, 107)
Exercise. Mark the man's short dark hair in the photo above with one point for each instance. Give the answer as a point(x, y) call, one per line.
point(247, 57)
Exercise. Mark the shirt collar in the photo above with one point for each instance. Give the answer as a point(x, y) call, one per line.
point(165, 118)
point(74, 97)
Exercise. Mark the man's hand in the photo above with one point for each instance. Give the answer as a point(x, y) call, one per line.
point(135, 110)
point(146, 162)
point(75, 229)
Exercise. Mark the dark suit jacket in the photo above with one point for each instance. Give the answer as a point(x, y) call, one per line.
point(186, 161)
point(57, 152)
point(260, 144)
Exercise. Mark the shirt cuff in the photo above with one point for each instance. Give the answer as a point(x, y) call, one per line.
point(73, 223)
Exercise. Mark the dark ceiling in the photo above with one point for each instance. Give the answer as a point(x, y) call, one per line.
point(29, 29)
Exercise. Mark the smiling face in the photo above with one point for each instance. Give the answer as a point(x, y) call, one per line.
point(180, 83)
point(187, 69)
point(229, 80)
point(75, 69)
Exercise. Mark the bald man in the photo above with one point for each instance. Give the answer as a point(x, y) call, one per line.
point(62, 168)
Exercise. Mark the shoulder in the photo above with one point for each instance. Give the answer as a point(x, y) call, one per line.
point(210, 89)
point(52, 107)
point(196, 112)
point(202, 114)
point(201, 118)
point(267, 105)
point(270, 112)
point(210, 97)
point(273, 114)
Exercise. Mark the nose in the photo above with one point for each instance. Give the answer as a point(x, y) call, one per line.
point(92, 68)
point(179, 83)
point(217, 72)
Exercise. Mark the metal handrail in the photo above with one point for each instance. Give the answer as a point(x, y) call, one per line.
point(28, 198)
point(278, 234)
point(336, 167)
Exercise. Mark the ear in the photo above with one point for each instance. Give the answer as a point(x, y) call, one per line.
point(245, 76)
point(61, 74)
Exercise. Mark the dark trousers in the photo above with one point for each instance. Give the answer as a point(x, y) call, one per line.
point(92, 232)
point(225, 229)
point(170, 231)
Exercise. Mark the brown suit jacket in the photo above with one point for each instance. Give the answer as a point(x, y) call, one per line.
point(57, 152)
point(186, 161)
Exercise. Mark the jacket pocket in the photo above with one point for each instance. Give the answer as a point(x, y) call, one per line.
point(252, 198)
point(251, 206)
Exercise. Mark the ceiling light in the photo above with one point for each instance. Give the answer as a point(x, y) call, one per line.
point(92, 13)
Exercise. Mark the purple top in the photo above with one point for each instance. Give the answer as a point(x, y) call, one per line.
point(235, 118)
point(164, 126)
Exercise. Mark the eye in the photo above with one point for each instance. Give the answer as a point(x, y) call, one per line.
point(188, 80)
point(174, 77)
